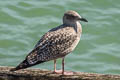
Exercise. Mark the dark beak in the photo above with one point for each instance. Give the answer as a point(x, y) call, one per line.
point(83, 19)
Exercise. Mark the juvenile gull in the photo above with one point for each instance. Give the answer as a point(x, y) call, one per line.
point(56, 43)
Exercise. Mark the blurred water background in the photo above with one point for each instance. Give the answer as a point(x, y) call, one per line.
point(23, 22)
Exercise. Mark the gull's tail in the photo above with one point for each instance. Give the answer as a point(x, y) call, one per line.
point(24, 65)
point(30, 60)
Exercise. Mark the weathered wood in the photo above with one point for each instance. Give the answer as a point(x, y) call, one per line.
point(37, 74)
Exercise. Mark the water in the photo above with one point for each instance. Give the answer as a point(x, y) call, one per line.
point(23, 22)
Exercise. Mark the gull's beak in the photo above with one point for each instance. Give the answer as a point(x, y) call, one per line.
point(83, 19)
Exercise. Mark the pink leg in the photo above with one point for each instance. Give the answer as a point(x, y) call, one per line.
point(61, 71)
point(63, 65)
point(56, 71)
point(55, 65)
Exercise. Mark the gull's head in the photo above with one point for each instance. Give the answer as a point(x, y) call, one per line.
point(72, 17)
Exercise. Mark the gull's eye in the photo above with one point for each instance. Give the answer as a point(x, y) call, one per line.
point(69, 16)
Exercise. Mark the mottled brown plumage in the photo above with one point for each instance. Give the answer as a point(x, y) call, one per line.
point(56, 43)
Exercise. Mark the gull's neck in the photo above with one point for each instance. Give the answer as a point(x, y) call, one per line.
point(75, 24)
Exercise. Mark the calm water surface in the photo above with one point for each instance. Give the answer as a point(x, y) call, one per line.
point(23, 22)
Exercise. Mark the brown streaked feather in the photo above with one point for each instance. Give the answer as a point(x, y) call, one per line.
point(52, 45)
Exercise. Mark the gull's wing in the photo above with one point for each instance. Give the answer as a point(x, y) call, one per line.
point(52, 45)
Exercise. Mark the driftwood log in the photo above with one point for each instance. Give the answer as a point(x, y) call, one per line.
point(37, 74)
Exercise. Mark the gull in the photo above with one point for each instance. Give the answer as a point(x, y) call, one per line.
point(56, 43)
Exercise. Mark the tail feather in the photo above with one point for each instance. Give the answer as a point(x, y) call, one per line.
point(24, 65)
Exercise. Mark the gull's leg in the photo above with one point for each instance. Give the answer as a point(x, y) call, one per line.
point(55, 65)
point(63, 65)
point(63, 71)
point(56, 71)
